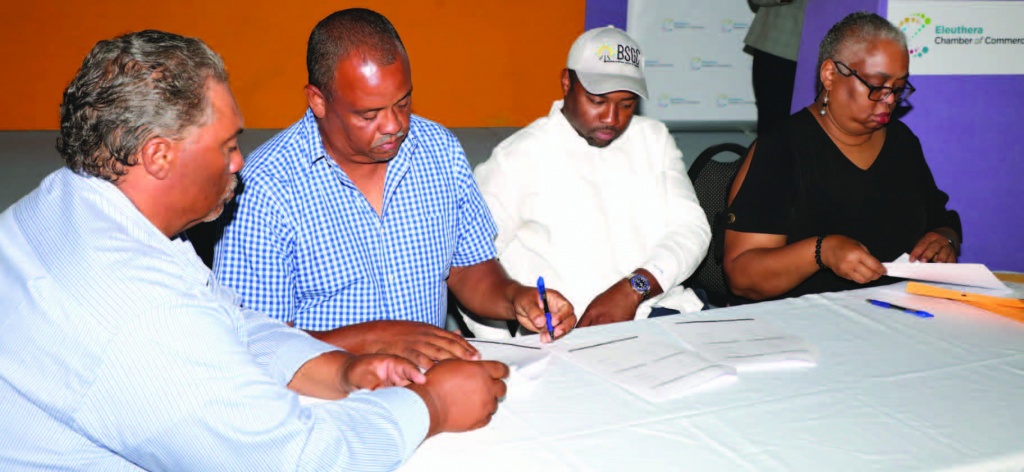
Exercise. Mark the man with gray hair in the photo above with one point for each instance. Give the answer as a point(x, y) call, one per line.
point(120, 351)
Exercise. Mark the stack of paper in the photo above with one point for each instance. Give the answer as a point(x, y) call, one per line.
point(696, 349)
point(653, 367)
point(657, 366)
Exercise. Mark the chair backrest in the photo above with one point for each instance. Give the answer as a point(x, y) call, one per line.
point(711, 181)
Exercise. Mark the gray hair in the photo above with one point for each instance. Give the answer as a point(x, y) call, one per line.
point(856, 29)
point(345, 31)
point(130, 89)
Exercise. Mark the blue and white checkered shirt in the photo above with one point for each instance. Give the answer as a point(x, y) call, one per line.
point(305, 246)
point(119, 351)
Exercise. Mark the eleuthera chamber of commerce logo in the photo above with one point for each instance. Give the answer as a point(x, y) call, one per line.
point(912, 26)
point(922, 30)
point(982, 37)
point(619, 54)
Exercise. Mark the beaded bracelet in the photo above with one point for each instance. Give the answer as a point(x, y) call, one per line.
point(817, 252)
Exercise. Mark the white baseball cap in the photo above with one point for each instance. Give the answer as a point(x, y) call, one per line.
point(608, 60)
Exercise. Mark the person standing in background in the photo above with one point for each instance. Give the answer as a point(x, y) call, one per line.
point(774, 41)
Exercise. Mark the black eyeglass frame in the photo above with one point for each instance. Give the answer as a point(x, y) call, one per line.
point(872, 89)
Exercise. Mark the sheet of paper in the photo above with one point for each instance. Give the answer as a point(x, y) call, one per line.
point(525, 357)
point(655, 368)
point(742, 342)
point(975, 275)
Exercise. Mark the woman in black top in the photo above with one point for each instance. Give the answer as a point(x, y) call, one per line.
point(840, 185)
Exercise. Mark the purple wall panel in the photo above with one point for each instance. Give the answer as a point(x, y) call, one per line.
point(970, 129)
point(606, 12)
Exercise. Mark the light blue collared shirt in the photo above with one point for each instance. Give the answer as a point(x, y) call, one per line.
point(119, 351)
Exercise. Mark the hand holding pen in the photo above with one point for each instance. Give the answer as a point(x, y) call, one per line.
point(544, 311)
point(547, 311)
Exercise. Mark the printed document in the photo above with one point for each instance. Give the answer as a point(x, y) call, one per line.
point(742, 342)
point(654, 367)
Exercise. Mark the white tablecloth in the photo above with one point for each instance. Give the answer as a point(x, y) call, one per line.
point(891, 391)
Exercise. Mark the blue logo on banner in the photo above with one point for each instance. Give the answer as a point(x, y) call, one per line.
point(698, 63)
point(665, 100)
point(724, 100)
point(669, 24)
point(728, 25)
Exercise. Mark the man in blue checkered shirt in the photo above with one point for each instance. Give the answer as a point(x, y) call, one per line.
point(355, 221)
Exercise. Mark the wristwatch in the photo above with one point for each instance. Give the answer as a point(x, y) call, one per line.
point(640, 284)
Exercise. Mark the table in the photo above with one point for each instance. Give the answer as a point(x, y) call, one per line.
point(891, 391)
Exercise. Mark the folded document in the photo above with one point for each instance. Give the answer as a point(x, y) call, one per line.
point(975, 275)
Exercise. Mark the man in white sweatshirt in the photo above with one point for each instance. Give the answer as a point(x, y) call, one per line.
point(595, 199)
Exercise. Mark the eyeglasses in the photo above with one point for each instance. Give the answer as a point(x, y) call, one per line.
point(875, 92)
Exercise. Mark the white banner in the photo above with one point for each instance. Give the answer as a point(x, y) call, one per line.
point(697, 72)
point(947, 37)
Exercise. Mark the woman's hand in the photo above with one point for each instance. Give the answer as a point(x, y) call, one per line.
point(849, 259)
point(933, 247)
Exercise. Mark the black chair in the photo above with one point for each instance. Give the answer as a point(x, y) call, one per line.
point(711, 180)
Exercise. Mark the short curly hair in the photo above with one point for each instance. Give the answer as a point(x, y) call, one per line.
point(128, 90)
point(855, 29)
point(346, 31)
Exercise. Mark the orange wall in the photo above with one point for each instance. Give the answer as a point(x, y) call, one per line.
point(475, 62)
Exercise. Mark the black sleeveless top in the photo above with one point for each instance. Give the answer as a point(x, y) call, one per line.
point(800, 184)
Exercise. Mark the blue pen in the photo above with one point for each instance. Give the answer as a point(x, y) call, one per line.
point(544, 300)
point(917, 313)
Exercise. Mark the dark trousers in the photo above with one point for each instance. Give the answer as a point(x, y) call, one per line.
point(773, 79)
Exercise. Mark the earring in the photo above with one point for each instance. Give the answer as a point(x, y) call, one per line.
point(824, 104)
